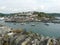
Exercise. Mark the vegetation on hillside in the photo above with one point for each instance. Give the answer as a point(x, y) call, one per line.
point(40, 14)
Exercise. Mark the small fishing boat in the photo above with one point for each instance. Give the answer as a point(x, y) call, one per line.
point(1, 18)
point(14, 23)
point(32, 24)
point(46, 24)
point(22, 23)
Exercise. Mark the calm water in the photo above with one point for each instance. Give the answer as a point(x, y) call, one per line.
point(41, 28)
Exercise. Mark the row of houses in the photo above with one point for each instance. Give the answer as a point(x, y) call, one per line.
point(22, 17)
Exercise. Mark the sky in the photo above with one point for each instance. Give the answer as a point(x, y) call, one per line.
point(13, 6)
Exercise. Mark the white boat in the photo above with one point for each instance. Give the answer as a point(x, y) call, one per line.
point(1, 18)
point(47, 24)
point(23, 23)
point(32, 24)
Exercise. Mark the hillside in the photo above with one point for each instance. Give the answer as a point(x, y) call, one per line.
point(39, 13)
point(54, 14)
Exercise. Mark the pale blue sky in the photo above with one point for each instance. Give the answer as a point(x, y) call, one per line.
point(10, 6)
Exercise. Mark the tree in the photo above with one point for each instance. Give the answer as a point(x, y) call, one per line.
point(41, 14)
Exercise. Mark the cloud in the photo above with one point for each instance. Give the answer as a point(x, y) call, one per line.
point(42, 7)
point(2, 7)
point(29, 5)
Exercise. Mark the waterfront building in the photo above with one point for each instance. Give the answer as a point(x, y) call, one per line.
point(22, 17)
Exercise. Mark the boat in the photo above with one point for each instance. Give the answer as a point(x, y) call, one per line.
point(14, 23)
point(1, 18)
point(32, 24)
point(46, 24)
point(22, 23)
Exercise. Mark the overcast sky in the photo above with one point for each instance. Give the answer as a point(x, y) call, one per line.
point(11, 6)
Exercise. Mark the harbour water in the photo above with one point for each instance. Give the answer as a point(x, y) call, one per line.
point(52, 30)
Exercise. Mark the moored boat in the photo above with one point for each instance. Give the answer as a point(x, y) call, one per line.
point(46, 24)
point(32, 24)
point(23, 23)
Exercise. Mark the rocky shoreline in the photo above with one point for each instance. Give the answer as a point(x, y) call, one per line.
point(22, 37)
